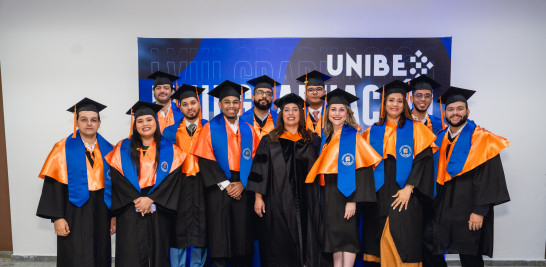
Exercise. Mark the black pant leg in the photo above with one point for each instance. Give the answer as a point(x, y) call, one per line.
point(471, 260)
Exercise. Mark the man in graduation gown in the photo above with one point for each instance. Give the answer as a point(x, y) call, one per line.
point(225, 148)
point(73, 196)
point(188, 229)
point(163, 90)
point(263, 117)
point(470, 181)
point(289, 228)
point(314, 90)
point(422, 95)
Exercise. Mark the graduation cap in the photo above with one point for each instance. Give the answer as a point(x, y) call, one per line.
point(424, 82)
point(290, 99)
point(229, 88)
point(85, 104)
point(339, 96)
point(186, 90)
point(162, 78)
point(395, 86)
point(314, 78)
point(263, 81)
point(141, 108)
point(455, 94)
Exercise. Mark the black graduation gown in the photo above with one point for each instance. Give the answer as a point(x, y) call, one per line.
point(455, 201)
point(229, 222)
point(143, 240)
point(289, 228)
point(406, 226)
point(88, 243)
point(188, 229)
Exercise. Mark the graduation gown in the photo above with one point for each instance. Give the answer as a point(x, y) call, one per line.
point(144, 240)
point(434, 123)
point(481, 182)
point(188, 226)
point(406, 226)
point(173, 115)
point(88, 243)
point(267, 126)
point(341, 234)
point(289, 229)
point(229, 221)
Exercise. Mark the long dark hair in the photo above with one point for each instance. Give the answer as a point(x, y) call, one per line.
point(406, 113)
point(136, 142)
point(307, 136)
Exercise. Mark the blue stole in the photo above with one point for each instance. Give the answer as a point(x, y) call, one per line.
point(248, 116)
point(177, 113)
point(459, 151)
point(436, 123)
point(346, 179)
point(169, 132)
point(220, 146)
point(404, 148)
point(76, 168)
point(166, 156)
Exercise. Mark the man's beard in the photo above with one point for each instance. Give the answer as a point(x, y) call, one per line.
point(418, 109)
point(260, 106)
point(193, 117)
point(461, 122)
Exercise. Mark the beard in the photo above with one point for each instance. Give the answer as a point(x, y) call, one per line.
point(461, 122)
point(260, 106)
point(191, 118)
point(418, 109)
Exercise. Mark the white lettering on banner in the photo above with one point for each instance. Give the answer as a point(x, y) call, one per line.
point(380, 65)
point(398, 66)
point(354, 105)
point(353, 65)
point(370, 88)
point(339, 68)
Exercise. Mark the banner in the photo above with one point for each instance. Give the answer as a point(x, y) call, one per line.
point(357, 65)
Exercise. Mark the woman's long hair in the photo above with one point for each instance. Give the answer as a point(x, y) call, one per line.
point(307, 136)
point(136, 143)
point(406, 113)
point(329, 127)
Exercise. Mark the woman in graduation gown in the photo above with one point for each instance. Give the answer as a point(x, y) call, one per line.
point(287, 206)
point(345, 171)
point(146, 176)
point(404, 181)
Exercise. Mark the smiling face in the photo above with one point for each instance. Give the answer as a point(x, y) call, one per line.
point(457, 113)
point(337, 114)
point(230, 106)
point(421, 99)
point(146, 125)
point(162, 93)
point(262, 98)
point(394, 105)
point(291, 115)
point(190, 108)
point(88, 123)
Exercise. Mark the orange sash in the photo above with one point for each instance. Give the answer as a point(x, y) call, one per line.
point(185, 142)
point(167, 120)
point(290, 136)
point(314, 126)
point(268, 127)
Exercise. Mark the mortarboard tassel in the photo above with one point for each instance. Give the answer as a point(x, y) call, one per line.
point(198, 101)
point(274, 92)
point(442, 113)
point(323, 108)
point(241, 113)
point(75, 123)
point(131, 130)
point(382, 100)
point(305, 99)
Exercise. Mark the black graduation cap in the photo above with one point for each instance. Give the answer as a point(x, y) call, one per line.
point(314, 78)
point(141, 108)
point(86, 104)
point(395, 86)
point(263, 82)
point(455, 94)
point(162, 78)
point(228, 88)
point(424, 82)
point(289, 99)
point(186, 90)
point(339, 96)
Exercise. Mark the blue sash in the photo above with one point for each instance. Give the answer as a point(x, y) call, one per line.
point(177, 113)
point(459, 151)
point(220, 146)
point(436, 123)
point(169, 132)
point(76, 168)
point(346, 180)
point(248, 116)
point(404, 149)
point(166, 156)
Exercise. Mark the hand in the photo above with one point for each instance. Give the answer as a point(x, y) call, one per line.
point(402, 197)
point(113, 226)
point(61, 227)
point(235, 190)
point(259, 205)
point(143, 205)
point(350, 210)
point(475, 222)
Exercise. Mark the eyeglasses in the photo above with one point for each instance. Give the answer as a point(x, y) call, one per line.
point(426, 96)
point(315, 91)
point(261, 93)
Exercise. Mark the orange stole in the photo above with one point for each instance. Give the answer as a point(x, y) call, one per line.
point(165, 121)
point(55, 167)
point(389, 253)
point(268, 127)
point(484, 146)
point(328, 159)
point(290, 136)
point(203, 146)
point(314, 126)
point(185, 142)
point(422, 139)
point(147, 163)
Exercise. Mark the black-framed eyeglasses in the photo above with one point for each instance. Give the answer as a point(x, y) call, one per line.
point(425, 96)
point(261, 93)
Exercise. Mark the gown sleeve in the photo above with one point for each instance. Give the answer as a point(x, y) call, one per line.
point(53, 199)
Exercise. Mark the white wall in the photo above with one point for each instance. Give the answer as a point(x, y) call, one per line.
point(53, 53)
